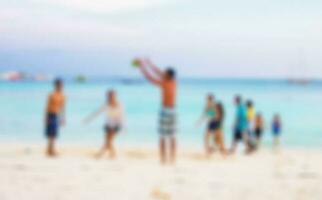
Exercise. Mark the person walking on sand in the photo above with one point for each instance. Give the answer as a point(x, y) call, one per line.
point(276, 130)
point(114, 122)
point(166, 81)
point(240, 126)
point(55, 116)
point(213, 117)
point(219, 136)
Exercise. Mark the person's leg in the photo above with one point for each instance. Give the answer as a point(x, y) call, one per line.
point(220, 141)
point(51, 134)
point(110, 144)
point(257, 142)
point(247, 141)
point(235, 140)
point(173, 149)
point(50, 147)
point(258, 139)
point(104, 147)
point(162, 150)
point(276, 141)
point(206, 143)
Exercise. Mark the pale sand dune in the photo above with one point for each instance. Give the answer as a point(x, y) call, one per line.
point(25, 173)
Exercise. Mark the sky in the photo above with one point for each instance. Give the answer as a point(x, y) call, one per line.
point(204, 38)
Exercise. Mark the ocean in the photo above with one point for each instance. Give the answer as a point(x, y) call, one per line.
point(22, 109)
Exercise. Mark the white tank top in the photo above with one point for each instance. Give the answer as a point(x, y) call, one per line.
point(114, 114)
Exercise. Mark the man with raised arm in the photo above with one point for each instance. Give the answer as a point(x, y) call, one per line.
point(166, 81)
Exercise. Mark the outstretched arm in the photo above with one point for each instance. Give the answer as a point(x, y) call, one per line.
point(202, 118)
point(147, 75)
point(93, 115)
point(154, 68)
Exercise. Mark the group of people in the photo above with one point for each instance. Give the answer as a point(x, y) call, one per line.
point(248, 125)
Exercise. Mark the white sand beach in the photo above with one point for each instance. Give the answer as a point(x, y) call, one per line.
point(26, 174)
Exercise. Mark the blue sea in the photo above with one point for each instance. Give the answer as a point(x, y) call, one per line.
point(22, 108)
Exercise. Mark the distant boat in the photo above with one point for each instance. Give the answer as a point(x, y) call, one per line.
point(300, 71)
point(80, 79)
point(300, 81)
point(12, 76)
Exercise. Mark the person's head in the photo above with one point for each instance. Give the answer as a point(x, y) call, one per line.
point(111, 97)
point(170, 74)
point(220, 107)
point(58, 83)
point(210, 97)
point(276, 117)
point(259, 115)
point(238, 99)
point(249, 104)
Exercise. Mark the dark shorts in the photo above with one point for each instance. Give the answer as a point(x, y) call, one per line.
point(238, 135)
point(258, 133)
point(109, 128)
point(214, 125)
point(52, 125)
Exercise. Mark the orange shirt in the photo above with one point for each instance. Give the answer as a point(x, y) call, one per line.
point(168, 93)
point(56, 101)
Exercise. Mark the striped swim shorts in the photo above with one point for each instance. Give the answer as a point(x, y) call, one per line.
point(167, 123)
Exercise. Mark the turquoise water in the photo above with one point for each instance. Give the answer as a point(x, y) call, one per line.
point(22, 110)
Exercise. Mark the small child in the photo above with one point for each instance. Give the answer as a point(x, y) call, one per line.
point(258, 128)
point(276, 130)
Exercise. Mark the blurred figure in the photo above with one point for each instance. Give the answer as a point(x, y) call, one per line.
point(240, 126)
point(114, 122)
point(276, 130)
point(250, 116)
point(250, 124)
point(55, 116)
point(166, 81)
point(209, 114)
point(259, 128)
point(219, 136)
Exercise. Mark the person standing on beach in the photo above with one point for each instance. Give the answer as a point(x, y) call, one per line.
point(114, 122)
point(250, 116)
point(276, 130)
point(258, 128)
point(250, 124)
point(240, 126)
point(213, 113)
point(209, 114)
point(166, 81)
point(55, 116)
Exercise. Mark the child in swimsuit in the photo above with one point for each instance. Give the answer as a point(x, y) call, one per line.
point(276, 130)
point(259, 127)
